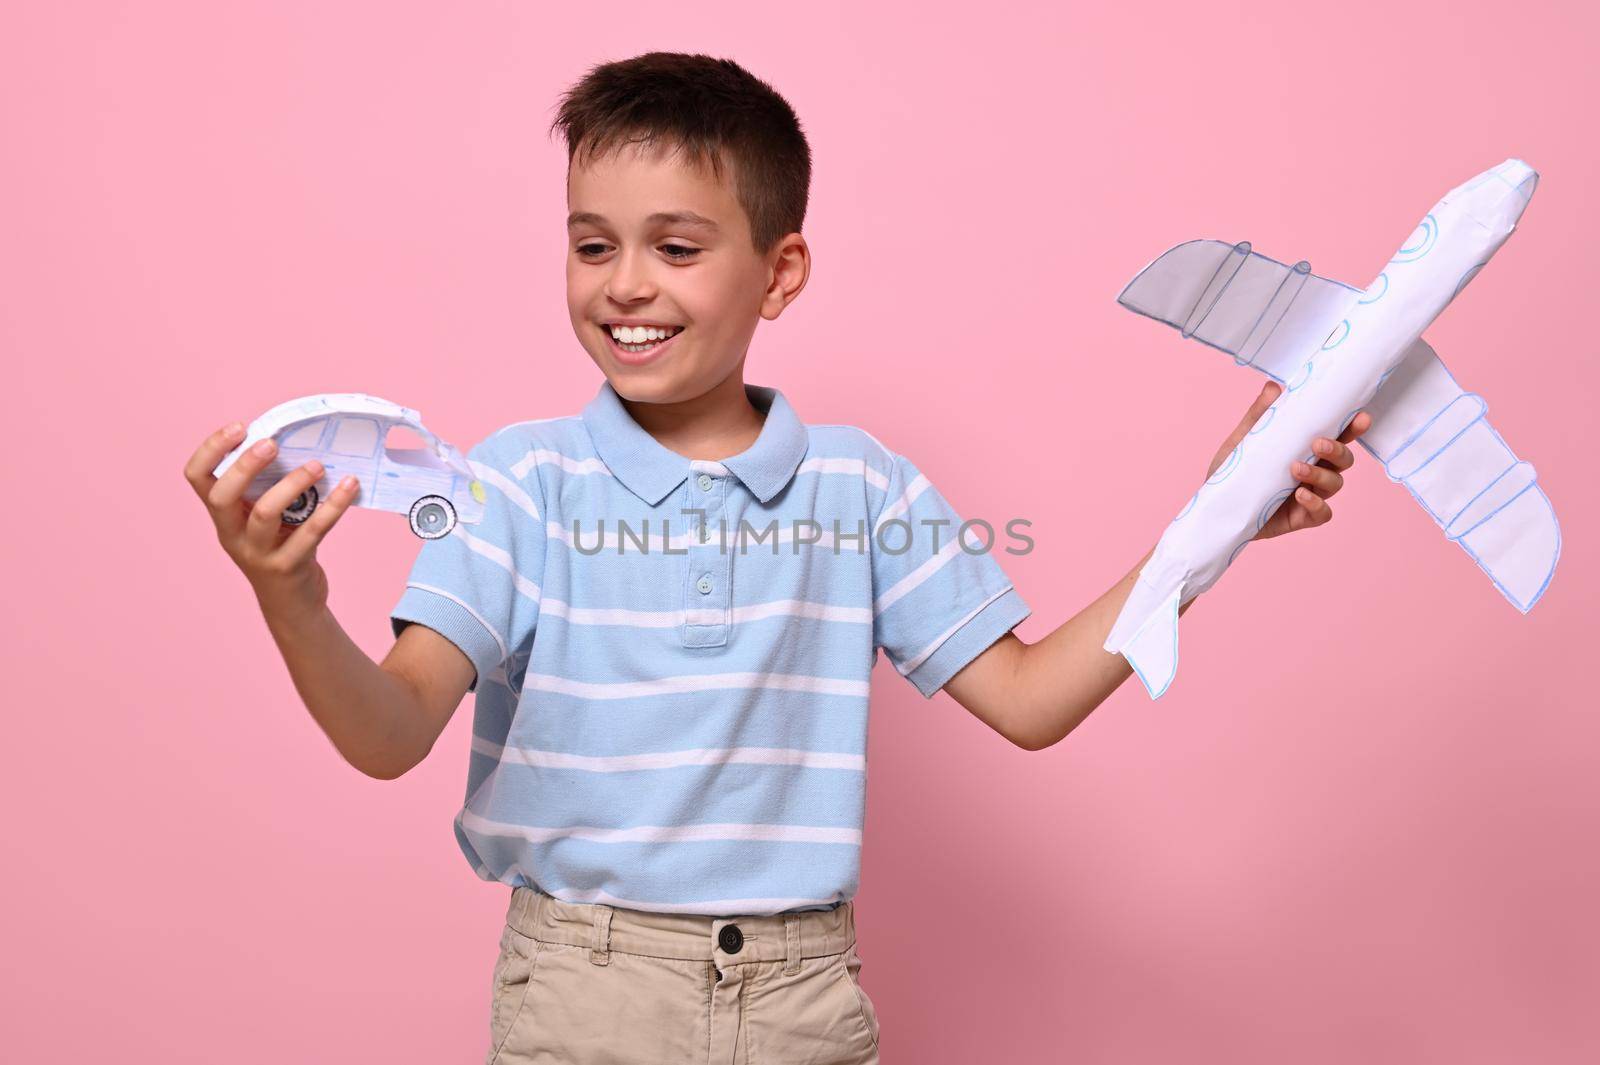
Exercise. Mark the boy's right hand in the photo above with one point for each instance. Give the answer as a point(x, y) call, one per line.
point(278, 560)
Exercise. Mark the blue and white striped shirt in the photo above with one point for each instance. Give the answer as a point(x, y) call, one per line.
point(674, 718)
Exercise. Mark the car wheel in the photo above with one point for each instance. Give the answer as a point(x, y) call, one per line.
point(432, 517)
point(301, 508)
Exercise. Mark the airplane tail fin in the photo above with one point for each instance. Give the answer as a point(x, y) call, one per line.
point(1146, 634)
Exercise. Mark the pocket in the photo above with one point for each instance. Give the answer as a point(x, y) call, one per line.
point(869, 1012)
point(513, 971)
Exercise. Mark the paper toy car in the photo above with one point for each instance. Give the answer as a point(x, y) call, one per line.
point(435, 487)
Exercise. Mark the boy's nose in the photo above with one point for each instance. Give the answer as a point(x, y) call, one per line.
point(630, 281)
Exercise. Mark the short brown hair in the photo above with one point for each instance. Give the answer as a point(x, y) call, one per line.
point(708, 108)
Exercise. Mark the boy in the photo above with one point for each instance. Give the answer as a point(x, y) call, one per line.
point(670, 611)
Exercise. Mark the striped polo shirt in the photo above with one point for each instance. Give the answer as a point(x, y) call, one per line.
point(673, 654)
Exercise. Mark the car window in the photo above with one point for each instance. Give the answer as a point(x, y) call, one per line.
point(356, 436)
point(305, 436)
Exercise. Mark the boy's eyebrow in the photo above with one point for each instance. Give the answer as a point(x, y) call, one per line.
point(667, 218)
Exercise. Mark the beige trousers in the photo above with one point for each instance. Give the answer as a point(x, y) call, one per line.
point(597, 985)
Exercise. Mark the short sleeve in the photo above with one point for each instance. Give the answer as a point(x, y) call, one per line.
point(937, 604)
point(479, 586)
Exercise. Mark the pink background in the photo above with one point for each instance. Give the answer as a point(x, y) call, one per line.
point(1360, 827)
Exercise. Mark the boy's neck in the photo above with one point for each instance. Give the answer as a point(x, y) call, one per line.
point(714, 426)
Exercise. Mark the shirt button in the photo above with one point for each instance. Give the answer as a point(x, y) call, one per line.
point(704, 535)
point(704, 584)
point(705, 482)
point(730, 938)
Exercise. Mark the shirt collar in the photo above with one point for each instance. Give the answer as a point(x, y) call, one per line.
point(651, 470)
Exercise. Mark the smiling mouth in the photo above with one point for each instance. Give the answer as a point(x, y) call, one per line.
point(648, 339)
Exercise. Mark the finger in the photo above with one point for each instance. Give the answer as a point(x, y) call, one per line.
point(229, 489)
point(1264, 399)
point(1323, 481)
point(304, 540)
point(1358, 425)
point(1316, 509)
point(1332, 454)
point(197, 471)
point(264, 529)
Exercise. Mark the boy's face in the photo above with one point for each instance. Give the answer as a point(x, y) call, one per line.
point(654, 242)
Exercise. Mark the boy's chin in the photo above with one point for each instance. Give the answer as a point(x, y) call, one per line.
point(644, 384)
point(664, 385)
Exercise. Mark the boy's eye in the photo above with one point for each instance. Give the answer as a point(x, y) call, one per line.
point(672, 251)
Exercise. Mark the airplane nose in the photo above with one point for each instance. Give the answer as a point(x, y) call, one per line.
point(1522, 178)
point(1497, 197)
point(1514, 172)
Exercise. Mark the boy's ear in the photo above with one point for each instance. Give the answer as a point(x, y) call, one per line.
point(787, 274)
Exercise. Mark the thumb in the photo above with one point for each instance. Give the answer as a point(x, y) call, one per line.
point(1268, 395)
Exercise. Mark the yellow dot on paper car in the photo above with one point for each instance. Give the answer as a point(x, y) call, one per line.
point(478, 493)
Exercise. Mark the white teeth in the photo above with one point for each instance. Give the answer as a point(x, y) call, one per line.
point(640, 334)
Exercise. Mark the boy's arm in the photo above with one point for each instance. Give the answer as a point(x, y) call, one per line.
point(1035, 694)
point(382, 718)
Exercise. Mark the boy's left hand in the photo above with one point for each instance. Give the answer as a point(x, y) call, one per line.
point(1308, 507)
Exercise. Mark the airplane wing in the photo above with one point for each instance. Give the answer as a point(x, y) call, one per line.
point(1433, 437)
point(1266, 314)
point(1430, 434)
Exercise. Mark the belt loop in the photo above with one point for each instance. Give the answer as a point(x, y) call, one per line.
point(519, 910)
point(791, 943)
point(600, 940)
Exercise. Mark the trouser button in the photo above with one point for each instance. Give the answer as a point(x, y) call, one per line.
point(730, 938)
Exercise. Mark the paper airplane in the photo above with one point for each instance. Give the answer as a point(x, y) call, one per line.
point(1338, 350)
